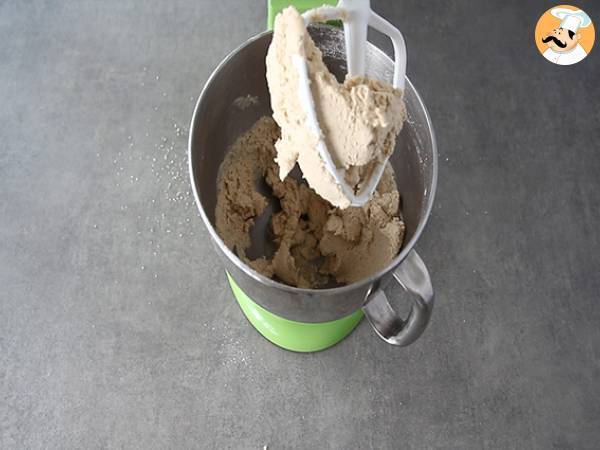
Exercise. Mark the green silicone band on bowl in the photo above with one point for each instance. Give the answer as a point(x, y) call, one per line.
point(291, 335)
point(275, 6)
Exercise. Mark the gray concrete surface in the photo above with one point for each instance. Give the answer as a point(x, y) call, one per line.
point(117, 329)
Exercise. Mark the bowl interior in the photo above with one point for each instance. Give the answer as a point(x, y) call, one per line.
point(218, 122)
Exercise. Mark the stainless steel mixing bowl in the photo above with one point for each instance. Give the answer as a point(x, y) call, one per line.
point(217, 122)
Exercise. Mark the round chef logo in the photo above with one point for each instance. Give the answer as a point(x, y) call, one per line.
point(565, 35)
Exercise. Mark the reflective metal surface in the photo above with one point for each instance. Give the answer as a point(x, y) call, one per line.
point(216, 124)
point(414, 278)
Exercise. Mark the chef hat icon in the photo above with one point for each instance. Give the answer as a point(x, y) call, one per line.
point(571, 20)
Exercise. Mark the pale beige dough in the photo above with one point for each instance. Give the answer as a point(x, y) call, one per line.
point(314, 239)
point(359, 119)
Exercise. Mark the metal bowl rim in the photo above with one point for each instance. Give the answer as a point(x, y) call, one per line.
point(275, 284)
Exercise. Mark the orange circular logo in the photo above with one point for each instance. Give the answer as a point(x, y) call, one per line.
point(565, 35)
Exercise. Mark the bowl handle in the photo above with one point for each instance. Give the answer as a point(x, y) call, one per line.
point(413, 276)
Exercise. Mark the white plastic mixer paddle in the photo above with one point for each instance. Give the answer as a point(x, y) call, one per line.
point(356, 16)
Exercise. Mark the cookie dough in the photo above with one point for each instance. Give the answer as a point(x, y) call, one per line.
point(359, 119)
point(316, 243)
